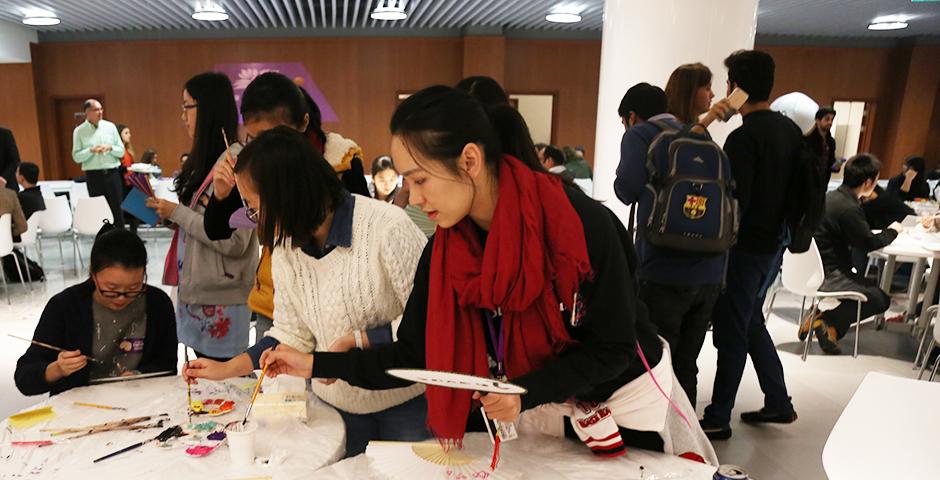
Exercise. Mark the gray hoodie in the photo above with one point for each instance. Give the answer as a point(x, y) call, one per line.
point(218, 272)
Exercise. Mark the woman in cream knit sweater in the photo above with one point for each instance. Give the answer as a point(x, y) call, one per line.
point(344, 265)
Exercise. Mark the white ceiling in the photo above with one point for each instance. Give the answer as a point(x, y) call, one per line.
point(830, 18)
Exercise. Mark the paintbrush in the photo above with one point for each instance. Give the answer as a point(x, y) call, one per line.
point(172, 432)
point(95, 405)
point(255, 394)
point(228, 153)
point(51, 347)
point(189, 387)
point(102, 427)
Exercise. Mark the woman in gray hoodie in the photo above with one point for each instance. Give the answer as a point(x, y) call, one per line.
point(214, 277)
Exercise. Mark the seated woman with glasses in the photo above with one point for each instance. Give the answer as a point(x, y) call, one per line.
point(112, 324)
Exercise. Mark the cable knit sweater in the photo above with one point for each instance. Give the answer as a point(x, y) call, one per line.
point(367, 285)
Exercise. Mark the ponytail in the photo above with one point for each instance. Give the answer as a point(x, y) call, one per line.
point(514, 135)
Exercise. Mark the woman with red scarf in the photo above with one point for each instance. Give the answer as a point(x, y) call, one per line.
point(526, 278)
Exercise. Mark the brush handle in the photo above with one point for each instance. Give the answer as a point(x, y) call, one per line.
point(255, 394)
point(123, 450)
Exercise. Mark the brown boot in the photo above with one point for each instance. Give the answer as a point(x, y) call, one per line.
point(809, 323)
point(827, 337)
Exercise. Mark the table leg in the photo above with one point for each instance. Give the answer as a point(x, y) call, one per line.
point(887, 274)
point(928, 295)
point(917, 276)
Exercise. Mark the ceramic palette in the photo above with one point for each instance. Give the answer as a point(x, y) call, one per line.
point(212, 407)
point(208, 437)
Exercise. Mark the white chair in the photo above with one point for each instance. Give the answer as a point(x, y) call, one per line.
point(922, 354)
point(27, 240)
point(78, 191)
point(6, 248)
point(803, 274)
point(90, 215)
point(56, 220)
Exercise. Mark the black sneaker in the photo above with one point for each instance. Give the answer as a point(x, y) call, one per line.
point(766, 416)
point(827, 338)
point(715, 432)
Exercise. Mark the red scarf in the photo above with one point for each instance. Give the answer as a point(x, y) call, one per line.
point(535, 253)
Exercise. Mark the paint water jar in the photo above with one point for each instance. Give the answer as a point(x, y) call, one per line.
point(241, 444)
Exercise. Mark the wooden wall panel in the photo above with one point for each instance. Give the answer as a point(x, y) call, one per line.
point(142, 81)
point(568, 68)
point(18, 98)
point(485, 56)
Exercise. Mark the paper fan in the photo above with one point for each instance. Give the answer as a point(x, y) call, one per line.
point(407, 461)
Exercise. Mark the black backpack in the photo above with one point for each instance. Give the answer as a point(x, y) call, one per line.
point(12, 275)
point(693, 208)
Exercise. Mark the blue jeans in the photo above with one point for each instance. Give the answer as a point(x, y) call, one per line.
point(406, 422)
point(739, 331)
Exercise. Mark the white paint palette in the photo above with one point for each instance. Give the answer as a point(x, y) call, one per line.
point(457, 381)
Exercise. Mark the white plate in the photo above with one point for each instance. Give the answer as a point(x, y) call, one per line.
point(458, 381)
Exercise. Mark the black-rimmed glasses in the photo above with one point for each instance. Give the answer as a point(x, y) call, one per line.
point(118, 293)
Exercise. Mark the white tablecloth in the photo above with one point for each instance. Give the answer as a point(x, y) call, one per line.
point(552, 458)
point(888, 430)
point(307, 447)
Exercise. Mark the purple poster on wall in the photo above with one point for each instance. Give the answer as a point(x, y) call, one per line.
point(241, 74)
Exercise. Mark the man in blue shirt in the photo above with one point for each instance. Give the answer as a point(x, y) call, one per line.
point(680, 290)
point(97, 147)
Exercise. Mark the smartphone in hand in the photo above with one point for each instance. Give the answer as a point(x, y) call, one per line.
point(736, 99)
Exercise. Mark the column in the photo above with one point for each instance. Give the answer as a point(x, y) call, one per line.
point(645, 42)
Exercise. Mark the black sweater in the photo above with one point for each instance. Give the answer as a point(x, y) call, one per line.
point(67, 322)
point(603, 359)
point(844, 227)
point(919, 187)
point(215, 218)
point(764, 154)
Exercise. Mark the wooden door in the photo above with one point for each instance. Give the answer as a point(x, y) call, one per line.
point(68, 114)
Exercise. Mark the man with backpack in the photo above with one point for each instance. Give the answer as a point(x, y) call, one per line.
point(767, 161)
point(678, 283)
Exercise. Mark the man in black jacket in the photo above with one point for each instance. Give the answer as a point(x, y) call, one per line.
point(9, 159)
point(844, 227)
point(27, 175)
point(764, 154)
point(821, 143)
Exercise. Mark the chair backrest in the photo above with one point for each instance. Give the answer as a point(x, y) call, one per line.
point(90, 215)
point(803, 273)
point(6, 234)
point(932, 311)
point(57, 217)
point(78, 191)
point(32, 228)
point(46, 189)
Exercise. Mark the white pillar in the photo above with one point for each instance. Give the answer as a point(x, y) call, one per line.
point(644, 42)
point(14, 42)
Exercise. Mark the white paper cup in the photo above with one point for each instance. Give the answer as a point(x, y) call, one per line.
point(241, 444)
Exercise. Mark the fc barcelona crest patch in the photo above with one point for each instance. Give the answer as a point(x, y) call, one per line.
point(695, 206)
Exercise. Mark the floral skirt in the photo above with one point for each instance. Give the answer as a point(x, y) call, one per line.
point(215, 330)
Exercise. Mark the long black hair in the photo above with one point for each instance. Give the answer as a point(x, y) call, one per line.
point(216, 110)
point(438, 122)
point(297, 187)
point(315, 126)
point(274, 95)
point(485, 89)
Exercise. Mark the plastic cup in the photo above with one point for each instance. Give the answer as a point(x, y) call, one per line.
point(241, 444)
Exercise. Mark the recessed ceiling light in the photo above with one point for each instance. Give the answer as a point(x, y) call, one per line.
point(42, 21)
point(887, 25)
point(389, 10)
point(210, 11)
point(563, 17)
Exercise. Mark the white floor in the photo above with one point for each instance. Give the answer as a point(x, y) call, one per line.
point(820, 387)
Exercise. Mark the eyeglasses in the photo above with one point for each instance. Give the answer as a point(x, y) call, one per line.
point(118, 294)
point(188, 106)
point(251, 213)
